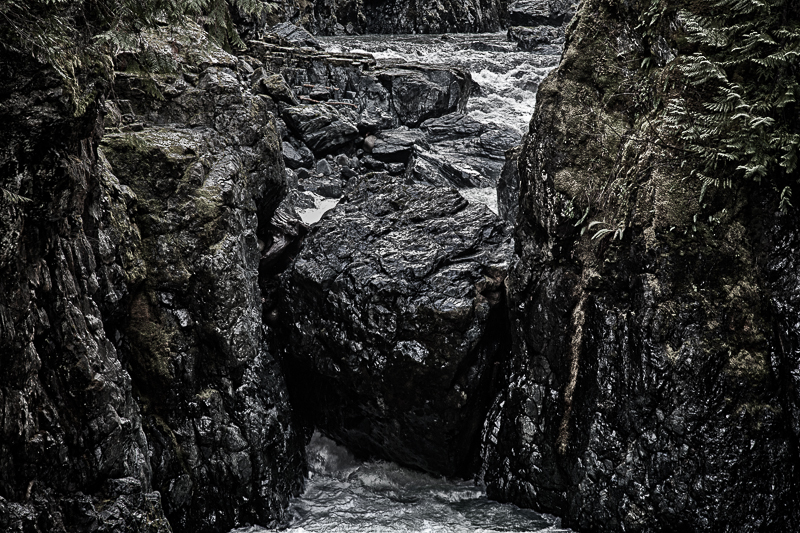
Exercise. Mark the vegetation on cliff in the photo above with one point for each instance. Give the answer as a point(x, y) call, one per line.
point(735, 107)
point(81, 38)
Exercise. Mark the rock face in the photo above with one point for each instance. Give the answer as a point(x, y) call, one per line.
point(541, 12)
point(73, 453)
point(347, 17)
point(137, 387)
point(205, 173)
point(653, 379)
point(393, 323)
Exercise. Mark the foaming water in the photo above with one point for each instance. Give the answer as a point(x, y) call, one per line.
point(507, 78)
point(322, 205)
point(481, 195)
point(344, 495)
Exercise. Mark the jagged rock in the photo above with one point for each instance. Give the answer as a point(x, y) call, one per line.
point(70, 424)
point(541, 12)
point(420, 92)
point(321, 127)
point(531, 39)
point(395, 146)
point(461, 151)
point(443, 170)
point(653, 379)
point(274, 86)
point(205, 173)
point(392, 321)
point(446, 16)
point(508, 187)
point(297, 157)
point(295, 35)
point(383, 97)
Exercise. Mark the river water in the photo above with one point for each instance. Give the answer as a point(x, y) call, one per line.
point(346, 495)
point(505, 80)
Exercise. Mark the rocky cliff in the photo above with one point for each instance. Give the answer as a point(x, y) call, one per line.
point(137, 386)
point(347, 17)
point(653, 379)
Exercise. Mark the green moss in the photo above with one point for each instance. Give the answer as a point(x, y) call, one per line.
point(150, 343)
point(749, 366)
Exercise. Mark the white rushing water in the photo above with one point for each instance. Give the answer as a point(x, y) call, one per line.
point(507, 77)
point(344, 495)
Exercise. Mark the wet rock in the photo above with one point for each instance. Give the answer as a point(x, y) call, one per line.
point(328, 186)
point(419, 93)
point(296, 157)
point(274, 86)
point(652, 382)
point(462, 151)
point(321, 127)
point(508, 186)
point(396, 146)
point(324, 168)
point(383, 96)
point(70, 422)
point(531, 39)
point(206, 172)
point(541, 12)
point(444, 170)
point(394, 320)
point(295, 35)
point(447, 16)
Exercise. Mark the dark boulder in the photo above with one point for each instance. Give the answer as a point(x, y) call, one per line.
point(535, 38)
point(274, 86)
point(295, 35)
point(296, 155)
point(321, 127)
point(461, 151)
point(396, 146)
point(541, 12)
point(421, 92)
point(393, 320)
point(443, 170)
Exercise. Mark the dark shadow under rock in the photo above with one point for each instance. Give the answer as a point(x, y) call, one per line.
point(392, 321)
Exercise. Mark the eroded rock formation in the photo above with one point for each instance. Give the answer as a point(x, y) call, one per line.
point(347, 17)
point(131, 312)
point(652, 384)
point(393, 323)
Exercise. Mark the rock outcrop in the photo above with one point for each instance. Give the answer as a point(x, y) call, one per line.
point(541, 12)
point(653, 378)
point(73, 452)
point(205, 173)
point(392, 325)
point(138, 393)
point(348, 17)
point(539, 25)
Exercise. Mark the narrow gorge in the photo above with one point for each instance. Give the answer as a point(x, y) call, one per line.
point(399, 266)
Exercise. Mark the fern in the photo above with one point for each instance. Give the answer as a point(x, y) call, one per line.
point(741, 120)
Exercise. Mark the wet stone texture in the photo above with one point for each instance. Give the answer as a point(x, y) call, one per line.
point(73, 453)
point(393, 322)
point(653, 382)
point(200, 174)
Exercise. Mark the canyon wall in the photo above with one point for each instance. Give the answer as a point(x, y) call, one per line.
point(653, 378)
